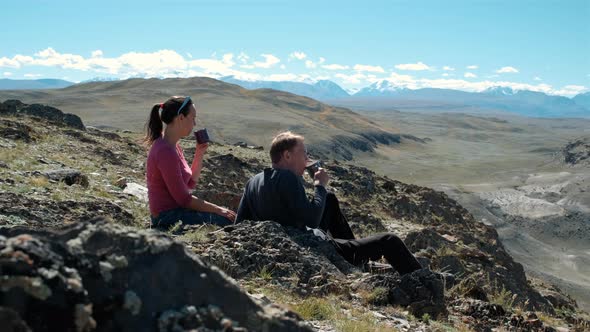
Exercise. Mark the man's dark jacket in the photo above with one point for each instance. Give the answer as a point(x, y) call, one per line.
point(278, 195)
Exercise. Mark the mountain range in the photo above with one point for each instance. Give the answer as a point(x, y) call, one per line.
point(46, 83)
point(320, 90)
point(384, 94)
point(389, 95)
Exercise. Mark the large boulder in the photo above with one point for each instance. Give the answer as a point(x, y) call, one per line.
point(52, 114)
point(421, 291)
point(102, 276)
point(247, 248)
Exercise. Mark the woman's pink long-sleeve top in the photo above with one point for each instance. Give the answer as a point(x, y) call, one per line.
point(168, 177)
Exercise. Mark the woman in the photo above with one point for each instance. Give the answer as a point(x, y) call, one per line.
point(168, 176)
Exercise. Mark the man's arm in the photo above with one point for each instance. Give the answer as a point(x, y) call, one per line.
point(305, 212)
point(244, 212)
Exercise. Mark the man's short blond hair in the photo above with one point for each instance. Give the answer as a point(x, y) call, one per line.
point(284, 141)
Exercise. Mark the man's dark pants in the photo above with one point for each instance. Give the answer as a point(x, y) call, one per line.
point(358, 252)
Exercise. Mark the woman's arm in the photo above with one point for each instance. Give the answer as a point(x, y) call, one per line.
point(198, 162)
point(202, 205)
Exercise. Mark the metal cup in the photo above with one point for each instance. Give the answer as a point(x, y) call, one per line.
point(202, 136)
point(313, 167)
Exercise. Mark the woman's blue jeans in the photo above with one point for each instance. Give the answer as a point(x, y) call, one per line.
point(187, 216)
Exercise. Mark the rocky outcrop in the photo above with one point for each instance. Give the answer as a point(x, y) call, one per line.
point(16, 131)
point(247, 248)
point(421, 291)
point(577, 152)
point(25, 210)
point(47, 113)
point(305, 264)
point(102, 276)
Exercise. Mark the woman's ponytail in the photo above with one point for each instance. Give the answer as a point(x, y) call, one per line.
point(154, 126)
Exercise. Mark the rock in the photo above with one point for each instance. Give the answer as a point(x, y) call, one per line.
point(67, 175)
point(10, 106)
point(80, 136)
point(16, 131)
point(54, 115)
point(53, 280)
point(105, 134)
point(136, 190)
point(449, 263)
point(481, 309)
point(11, 321)
point(426, 238)
point(245, 249)
point(577, 152)
point(422, 291)
point(48, 213)
point(121, 182)
point(559, 300)
point(112, 157)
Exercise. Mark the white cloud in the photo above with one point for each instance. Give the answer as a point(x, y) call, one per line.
point(269, 61)
point(10, 63)
point(310, 64)
point(297, 55)
point(571, 90)
point(32, 75)
point(537, 78)
point(472, 67)
point(469, 75)
point(283, 66)
point(322, 60)
point(507, 70)
point(413, 66)
point(351, 79)
point(369, 68)
point(448, 68)
point(281, 77)
point(335, 66)
point(243, 57)
point(189, 55)
point(97, 54)
point(168, 63)
point(213, 66)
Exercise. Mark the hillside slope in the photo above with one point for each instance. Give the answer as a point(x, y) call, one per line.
point(231, 113)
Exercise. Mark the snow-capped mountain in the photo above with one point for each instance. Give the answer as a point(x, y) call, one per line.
point(521, 102)
point(499, 91)
point(321, 90)
point(381, 88)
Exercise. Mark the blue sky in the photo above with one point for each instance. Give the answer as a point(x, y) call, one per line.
point(467, 45)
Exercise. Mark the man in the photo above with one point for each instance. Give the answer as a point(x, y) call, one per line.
point(278, 194)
